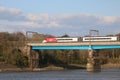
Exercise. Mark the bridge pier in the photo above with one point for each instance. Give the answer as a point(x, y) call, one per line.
point(33, 58)
point(28, 52)
point(93, 64)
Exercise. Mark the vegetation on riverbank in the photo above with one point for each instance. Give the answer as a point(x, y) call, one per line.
point(12, 54)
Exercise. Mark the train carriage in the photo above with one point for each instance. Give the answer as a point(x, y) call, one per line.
point(54, 40)
point(113, 38)
point(67, 39)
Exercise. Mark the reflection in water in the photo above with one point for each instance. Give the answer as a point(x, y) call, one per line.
point(105, 74)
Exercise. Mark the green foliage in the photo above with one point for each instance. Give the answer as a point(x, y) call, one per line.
point(17, 58)
point(62, 57)
point(65, 35)
point(9, 49)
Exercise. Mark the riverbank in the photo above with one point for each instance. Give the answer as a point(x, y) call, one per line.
point(111, 65)
point(30, 69)
point(52, 67)
point(48, 68)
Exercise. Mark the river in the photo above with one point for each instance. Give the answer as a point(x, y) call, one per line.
point(79, 74)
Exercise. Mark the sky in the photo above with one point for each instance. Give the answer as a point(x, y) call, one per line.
point(59, 17)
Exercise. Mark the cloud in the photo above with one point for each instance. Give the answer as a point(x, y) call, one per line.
point(111, 19)
point(11, 14)
point(74, 24)
point(79, 20)
point(43, 20)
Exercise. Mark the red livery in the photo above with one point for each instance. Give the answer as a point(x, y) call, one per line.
point(50, 40)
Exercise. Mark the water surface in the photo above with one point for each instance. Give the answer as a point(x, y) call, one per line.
point(79, 74)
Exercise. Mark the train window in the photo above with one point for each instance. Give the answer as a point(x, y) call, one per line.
point(97, 38)
point(65, 39)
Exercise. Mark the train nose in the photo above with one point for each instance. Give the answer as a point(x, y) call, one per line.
point(44, 41)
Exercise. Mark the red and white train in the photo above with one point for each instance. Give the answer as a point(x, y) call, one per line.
point(80, 39)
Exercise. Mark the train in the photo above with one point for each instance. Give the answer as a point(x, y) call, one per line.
point(80, 39)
